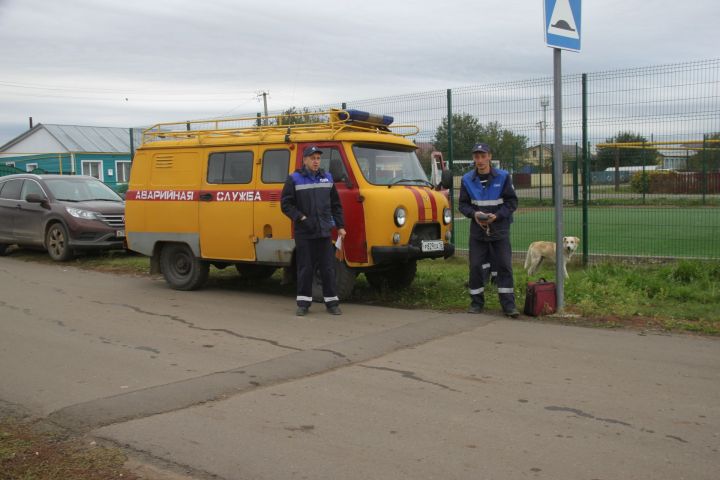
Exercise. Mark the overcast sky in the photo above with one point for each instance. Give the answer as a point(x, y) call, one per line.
point(139, 62)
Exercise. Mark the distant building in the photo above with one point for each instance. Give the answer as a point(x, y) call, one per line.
point(675, 159)
point(533, 153)
point(101, 152)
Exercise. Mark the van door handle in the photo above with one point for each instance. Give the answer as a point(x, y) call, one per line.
point(206, 197)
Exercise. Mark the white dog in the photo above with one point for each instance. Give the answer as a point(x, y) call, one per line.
point(540, 250)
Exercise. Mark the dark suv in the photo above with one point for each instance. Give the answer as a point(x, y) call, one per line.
point(60, 213)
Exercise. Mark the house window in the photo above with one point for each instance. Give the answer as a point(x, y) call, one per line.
point(92, 168)
point(29, 167)
point(534, 153)
point(123, 172)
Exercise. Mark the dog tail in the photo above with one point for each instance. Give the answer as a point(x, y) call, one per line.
point(527, 258)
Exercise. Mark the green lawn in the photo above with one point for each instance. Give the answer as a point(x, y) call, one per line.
point(642, 231)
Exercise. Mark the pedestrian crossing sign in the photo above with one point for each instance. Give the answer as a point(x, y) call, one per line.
point(562, 24)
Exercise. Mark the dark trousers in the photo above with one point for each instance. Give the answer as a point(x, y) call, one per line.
point(482, 255)
point(313, 254)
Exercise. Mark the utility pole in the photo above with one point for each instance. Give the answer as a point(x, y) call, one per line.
point(265, 109)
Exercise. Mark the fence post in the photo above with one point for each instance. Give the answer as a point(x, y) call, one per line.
point(542, 148)
point(575, 175)
point(617, 169)
point(704, 169)
point(586, 173)
point(450, 163)
point(644, 184)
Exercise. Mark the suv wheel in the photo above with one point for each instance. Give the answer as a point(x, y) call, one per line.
point(181, 268)
point(56, 242)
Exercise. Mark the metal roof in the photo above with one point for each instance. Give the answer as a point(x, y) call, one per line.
point(80, 139)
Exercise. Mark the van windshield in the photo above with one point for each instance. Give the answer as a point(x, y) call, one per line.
point(389, 165)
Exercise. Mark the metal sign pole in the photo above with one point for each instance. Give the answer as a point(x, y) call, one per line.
point(558, 185)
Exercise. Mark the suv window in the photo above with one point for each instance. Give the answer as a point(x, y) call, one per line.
point(31, 186)
point(11, 190)
point(275, 166)
point(230, 167)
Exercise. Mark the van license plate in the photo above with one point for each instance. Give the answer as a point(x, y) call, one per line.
point(120, 233)
point(432, 246)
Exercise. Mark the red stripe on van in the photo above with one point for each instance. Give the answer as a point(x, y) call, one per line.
point(433, 205)
point(420, 204)
point(194, 195)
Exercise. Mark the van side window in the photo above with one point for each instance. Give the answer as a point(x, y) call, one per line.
point(275, 166)
point(230, 167)
point(331, 162)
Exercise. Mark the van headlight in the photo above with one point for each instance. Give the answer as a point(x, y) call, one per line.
point(447, 215)
point(84, 214)
point(400, 216)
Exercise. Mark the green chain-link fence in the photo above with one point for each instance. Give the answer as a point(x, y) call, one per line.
point(647, 183)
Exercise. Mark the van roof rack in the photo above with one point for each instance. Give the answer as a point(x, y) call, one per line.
point(332, 121)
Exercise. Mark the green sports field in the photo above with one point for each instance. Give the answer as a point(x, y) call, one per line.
point(687, 232)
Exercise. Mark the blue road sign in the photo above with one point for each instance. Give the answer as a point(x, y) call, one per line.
point(562, 24)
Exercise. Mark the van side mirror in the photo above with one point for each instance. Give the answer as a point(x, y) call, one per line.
point(446, 179)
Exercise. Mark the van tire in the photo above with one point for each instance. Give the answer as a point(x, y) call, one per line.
point(181, 268)
point(255, 272)
point(344, 282)
point(398, 277)
point(56, 242)
point(3, 249)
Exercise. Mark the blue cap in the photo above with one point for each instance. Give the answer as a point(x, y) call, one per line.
point(310, 150)
point(481, 147)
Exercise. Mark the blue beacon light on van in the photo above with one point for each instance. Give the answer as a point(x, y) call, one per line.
point(367, 117)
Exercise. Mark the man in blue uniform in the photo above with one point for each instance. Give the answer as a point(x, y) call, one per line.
point(310, 200)
point(488, 198)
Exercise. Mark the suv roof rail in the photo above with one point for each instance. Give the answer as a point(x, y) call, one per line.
point(333, 121)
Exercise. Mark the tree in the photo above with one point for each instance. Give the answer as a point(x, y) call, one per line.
point(627, 156)
point(293, 116)
point(467, 131)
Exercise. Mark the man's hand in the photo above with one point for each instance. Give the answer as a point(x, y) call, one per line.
point(483, 218)
point(341, 232)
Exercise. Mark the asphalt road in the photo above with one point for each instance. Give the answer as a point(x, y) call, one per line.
point(227, 384)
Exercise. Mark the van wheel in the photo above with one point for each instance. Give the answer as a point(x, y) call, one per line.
point(56, 241)
point(3, 248)
point(255, 272)
point(398, 277)
point(181, 268)
point(344, 281)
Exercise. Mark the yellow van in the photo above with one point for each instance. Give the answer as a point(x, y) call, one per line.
point(208, 193)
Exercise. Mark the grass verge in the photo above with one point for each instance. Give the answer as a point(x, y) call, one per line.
point(28, 453)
